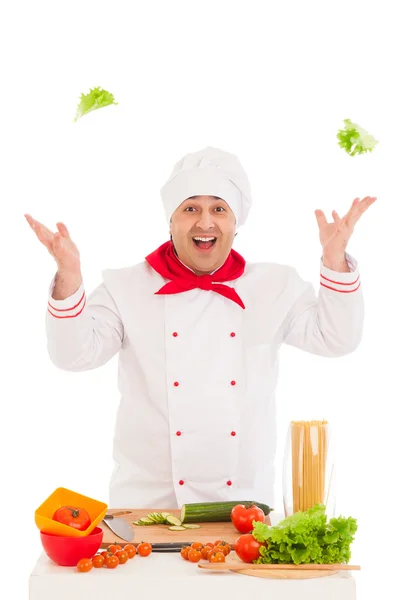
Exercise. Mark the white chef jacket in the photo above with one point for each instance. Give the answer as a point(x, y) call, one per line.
point(197, 373)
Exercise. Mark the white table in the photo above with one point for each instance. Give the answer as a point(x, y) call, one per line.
point(159, 574)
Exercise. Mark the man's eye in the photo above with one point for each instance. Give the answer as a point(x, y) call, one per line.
point(189, 208)
point(220, 208)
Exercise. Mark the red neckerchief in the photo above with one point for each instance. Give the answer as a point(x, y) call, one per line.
point(166, 263)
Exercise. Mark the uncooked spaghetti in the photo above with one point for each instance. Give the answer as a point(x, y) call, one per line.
point(309, 454)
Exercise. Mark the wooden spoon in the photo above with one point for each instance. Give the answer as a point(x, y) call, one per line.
point(234, 566)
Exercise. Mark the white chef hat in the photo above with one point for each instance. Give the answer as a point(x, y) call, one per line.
point(209, 172)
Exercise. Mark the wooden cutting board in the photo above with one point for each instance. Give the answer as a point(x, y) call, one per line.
point(208, 532)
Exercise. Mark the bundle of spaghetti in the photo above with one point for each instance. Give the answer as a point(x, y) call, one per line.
point(309, 453)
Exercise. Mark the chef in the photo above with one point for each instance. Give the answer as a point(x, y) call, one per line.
point(198, 330)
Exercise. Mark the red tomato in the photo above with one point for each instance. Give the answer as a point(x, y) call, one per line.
point(98, 561)
point(205, 551)
point(194, 555)
point(130, 549)
point(247, 548)
point(113, 548)
point(105, 554)
point(73, 517)
point(243, 517)
point(122, 556)
point(184, 552)
point(216, 556)
point(197, 546)
point(144, 549)
point(84, 565)
point(112, 561)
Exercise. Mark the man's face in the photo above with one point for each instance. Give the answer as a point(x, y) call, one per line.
point(206, 217)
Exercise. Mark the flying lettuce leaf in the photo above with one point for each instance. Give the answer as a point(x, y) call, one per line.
point(96, 98)
point(306, 537)
point(354, 139)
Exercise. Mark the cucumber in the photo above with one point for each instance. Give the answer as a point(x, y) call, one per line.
point(172, 520)
point(190, 526)
point(177, 528)
point(207, 512)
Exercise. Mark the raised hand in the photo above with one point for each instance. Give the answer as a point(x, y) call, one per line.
point(335, 236)
point(60, 246)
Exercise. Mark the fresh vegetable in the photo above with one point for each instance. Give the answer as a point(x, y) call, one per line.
point(194, 555)
point(354, 139)
point(214, 511)
point(122, 556)
point(112, 561)
point(205, 551)
point(216, 557)
point(242, 517)
point(98, 561)
point(75, 517)
point(306, 537)
point(130, 549)
point(106, 553)
point(113, 548)
point(184, 552)
point(224, 547)
point(144, 549)
point(248, 548)
point(96, 98)
point(84, 565)
point(159, 519)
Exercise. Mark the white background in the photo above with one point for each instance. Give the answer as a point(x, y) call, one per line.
point(268, 81)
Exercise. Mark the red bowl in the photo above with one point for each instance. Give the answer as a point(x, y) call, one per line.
point(68, 551)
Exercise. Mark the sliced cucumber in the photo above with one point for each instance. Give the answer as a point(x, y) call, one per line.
point(177, 528)
point(172, 520)
point(191, 526)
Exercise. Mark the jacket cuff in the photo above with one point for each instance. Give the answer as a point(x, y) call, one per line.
point(69, 307)
point(341, 282)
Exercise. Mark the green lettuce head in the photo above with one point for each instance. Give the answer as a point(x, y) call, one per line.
point(96, 98)
point(354, 139)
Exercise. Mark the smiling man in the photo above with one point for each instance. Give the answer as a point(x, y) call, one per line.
point(198, 332)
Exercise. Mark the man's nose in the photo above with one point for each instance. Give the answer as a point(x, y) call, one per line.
point(206, 220)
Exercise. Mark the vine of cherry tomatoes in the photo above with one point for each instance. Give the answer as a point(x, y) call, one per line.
point(114, 555)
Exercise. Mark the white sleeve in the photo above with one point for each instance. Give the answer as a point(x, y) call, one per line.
point(331, 323)
point(83, 332)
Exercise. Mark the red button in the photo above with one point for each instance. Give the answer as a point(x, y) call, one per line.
point(176, 383)
point(229, 482)
point(233, 334)
point(233, 432)
point(233, 382)
point(181, 482)
point(178, 433)
point(175, 334)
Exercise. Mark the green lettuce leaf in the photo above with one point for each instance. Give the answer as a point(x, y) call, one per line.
point(306, 537)
point(96, 98)
point(354, 139)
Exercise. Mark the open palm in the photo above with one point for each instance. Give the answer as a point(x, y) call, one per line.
point(335, 236)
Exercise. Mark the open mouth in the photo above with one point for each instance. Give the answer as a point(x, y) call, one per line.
point(204, 243)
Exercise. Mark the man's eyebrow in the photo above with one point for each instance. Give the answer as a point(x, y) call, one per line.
point(195, 197)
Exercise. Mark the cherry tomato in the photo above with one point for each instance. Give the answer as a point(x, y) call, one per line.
point(98, 561)
point(130, 549)
point(113, 548)
point(112, 561)
point(224, 547)
point(247, 548)
point(242, 517)
point(194, 555)
point(106, 553)
point(197, 545)
point(205, 551)
point(84, 565)
point(122, 556)
point(217, 543)
point(216, 557)
point(184, 552)
point(72, 516)
point(144, 549)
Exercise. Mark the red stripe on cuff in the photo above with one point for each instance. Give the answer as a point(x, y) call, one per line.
point(341, 291)
point(68, 316)
point(66, 309)
point(339, 282)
